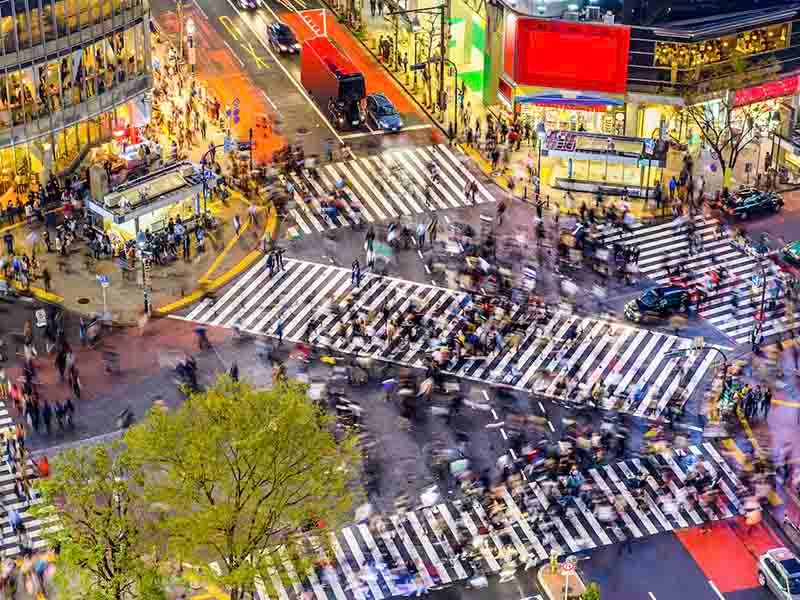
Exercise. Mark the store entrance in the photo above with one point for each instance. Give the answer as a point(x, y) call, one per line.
point(609, 120)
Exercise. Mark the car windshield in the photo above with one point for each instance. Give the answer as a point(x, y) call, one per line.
point(284, 33)
point(650, 298)
point(386, 110)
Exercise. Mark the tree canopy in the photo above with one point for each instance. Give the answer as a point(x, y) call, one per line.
point(242, 472)
point(94, 495)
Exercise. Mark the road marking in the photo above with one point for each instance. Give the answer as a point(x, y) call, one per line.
point(716, 590)
point(371, 131)
point(652, 596)
point(236, 56)
point(202, 12)
point(284, 69)
point(263, 93)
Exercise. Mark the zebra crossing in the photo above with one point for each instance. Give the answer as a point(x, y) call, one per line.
point(664, 246)
point(630, 359)
point(381, 187)
point(33, 536)
point(429, 537)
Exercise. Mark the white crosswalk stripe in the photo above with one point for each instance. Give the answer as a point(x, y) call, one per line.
point(389, 185)
point(664, 245)
point(34, 528)
point(641, 380)
point(430, 537)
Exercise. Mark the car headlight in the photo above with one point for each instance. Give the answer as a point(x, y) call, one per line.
point(282, 48)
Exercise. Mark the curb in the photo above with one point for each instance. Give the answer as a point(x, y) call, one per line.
point(206, 286)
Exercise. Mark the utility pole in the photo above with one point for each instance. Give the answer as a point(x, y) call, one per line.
point(442, 49)
point(179, 13)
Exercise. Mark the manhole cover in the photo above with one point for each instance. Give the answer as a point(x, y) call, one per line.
point(302, 131)
point(83, 301)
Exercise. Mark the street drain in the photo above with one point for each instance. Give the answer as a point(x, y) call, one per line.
point(301, 131)
point(83, 301)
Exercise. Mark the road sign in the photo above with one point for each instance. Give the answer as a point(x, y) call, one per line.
point(235, 103)
point(228, 144)
point(235, 113)
point(417, 67)
point(104, 280)
point(567, 567)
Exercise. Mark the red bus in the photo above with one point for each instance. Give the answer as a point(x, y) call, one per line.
point(333, 81)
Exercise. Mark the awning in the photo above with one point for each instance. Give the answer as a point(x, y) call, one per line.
point(567, 101)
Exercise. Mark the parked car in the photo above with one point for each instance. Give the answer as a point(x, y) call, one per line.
point(790, 254)
point(747, 202)
point(282, 39)
point(779, 571)
point(382, 113)
point(662, 302)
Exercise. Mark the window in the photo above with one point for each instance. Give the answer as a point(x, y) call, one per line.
point(49, 26)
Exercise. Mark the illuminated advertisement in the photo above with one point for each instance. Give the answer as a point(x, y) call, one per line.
point(567, 55)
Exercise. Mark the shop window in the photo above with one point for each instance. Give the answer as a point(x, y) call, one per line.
point(84, 13)
point(35, 23)
point(687, 56)
point(106, 9)
point(71, 10)
point(49, 26)
point(7, 28)
point(22, 168)
point(23, 30)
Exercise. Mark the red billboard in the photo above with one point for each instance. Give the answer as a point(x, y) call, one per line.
point(572, 56)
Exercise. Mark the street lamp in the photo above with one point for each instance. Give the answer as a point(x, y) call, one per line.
point(541, 136)
point(451, 64)
point(190, 31)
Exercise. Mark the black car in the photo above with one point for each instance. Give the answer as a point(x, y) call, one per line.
point(747, 202)
point(282, 39)
point(662, 302)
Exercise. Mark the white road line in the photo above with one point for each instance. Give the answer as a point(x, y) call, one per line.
point(716, 590)
point(236, 56)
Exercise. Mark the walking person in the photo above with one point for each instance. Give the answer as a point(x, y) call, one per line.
point(355, 275)
point(271, 264)
point(237, 224)
point(766, 403)
point(420, 233)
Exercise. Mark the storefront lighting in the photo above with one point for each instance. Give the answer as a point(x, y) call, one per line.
point(572, 7)
point(190, 28)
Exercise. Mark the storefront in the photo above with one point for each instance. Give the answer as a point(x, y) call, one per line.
point(569, 76)
point(149, 202)
point(609, 165)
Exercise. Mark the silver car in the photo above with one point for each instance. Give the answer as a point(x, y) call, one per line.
point(779, 570)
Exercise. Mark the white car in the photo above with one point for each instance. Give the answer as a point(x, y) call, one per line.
point(779, 571)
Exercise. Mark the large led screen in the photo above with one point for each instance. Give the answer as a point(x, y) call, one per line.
point(573, 56)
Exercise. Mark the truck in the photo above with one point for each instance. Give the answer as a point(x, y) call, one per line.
point(333, 81)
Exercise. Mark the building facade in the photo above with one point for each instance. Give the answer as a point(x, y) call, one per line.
point(608, 77)
point(71, 73)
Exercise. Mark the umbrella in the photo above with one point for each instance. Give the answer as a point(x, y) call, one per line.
point(429, 497)
point(459, 466)
point(363, 512)
point(384, 249)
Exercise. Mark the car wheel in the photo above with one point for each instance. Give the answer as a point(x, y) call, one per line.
point(762, 580)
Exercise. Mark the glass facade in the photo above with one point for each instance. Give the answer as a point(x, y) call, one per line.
point(68, 71)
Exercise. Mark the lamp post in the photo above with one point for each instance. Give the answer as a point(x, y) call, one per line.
point(675, 353)
point(541, 136)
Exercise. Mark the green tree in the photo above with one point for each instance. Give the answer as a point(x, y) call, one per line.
point(592, 592)
point(93, 500)
point(244, 473)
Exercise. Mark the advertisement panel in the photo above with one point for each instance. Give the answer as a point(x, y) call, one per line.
point(572, 56)
point(767, 91)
